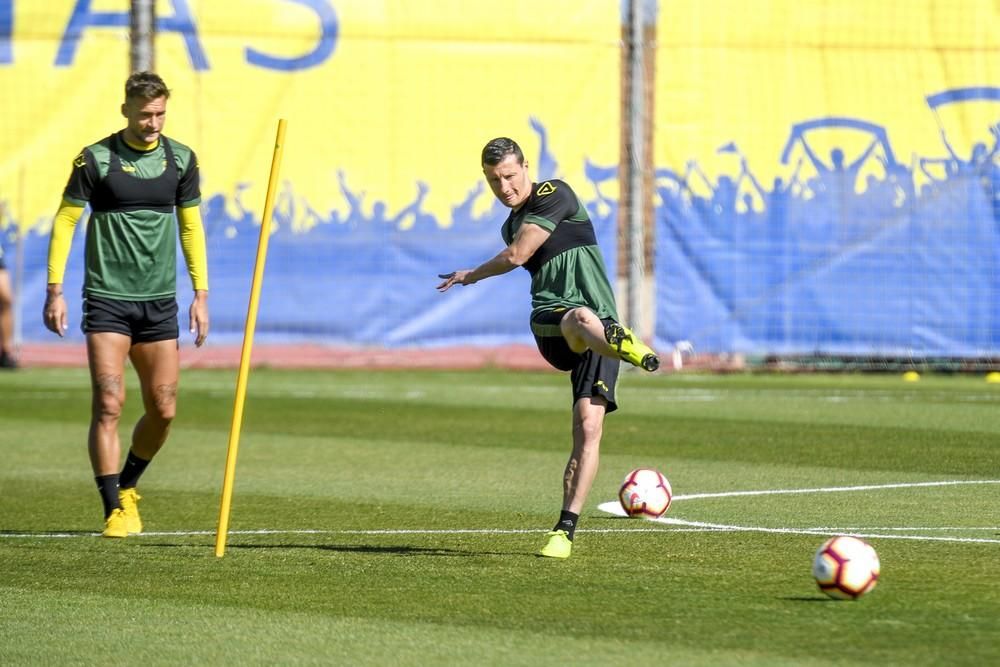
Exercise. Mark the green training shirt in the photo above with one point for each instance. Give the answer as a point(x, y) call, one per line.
point(131, 247)
point(568, 270)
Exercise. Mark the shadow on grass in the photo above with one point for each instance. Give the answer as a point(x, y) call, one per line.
point(814, 598)
point(399, 550)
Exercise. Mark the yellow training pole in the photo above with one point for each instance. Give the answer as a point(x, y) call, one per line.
point(241, 381)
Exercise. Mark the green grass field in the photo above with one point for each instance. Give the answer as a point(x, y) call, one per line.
point(393, 518)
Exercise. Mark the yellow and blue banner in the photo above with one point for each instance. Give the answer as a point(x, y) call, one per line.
point(388, 104)
point(825, 173)
point(828, 176)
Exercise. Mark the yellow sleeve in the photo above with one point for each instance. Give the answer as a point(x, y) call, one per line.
point(61, 239)
point(193, 244)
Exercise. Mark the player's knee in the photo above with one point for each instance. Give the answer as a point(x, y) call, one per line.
point(590, 428)
point(164, 414)
point(577, 319)
point(574, 325)
point(107, 398)
point(107, 408)
point(164, 407)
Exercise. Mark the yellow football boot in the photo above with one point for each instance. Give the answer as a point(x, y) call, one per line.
point(558, 545)
point(129, 499)
point(116, 525)
point(630, 348)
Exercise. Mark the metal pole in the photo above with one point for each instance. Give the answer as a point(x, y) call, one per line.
point(142, 35)
point(637, 166)
point(636, 150)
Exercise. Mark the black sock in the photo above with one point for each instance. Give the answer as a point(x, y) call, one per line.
point(107, 485)
point(567, 522)
point(132, 470)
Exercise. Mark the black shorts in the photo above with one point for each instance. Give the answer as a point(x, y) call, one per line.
point(591, 374)
point(142, 321)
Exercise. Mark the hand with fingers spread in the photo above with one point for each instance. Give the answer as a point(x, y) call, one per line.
point(454, 278)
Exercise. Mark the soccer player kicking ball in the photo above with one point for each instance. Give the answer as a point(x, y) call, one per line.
point(574, 318)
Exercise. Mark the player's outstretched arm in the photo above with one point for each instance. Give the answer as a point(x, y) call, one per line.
point(528, 239)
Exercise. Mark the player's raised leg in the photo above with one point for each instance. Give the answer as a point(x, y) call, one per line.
point(583, 330)
point(158, 367)
point(106, 353)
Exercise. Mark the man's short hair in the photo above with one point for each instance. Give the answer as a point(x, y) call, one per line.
point(497, 149)
point(145, 85)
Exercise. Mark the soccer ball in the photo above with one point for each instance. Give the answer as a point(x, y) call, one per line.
point(846, 567)
point(646, 493)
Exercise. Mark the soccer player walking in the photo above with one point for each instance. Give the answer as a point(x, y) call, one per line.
point(135, 181)
point(574, 317)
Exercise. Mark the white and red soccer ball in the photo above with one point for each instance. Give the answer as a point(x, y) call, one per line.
point(846, 567)
point(645, 493)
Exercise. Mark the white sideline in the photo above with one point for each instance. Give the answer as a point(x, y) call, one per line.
point(835, 489)
point(613, 507)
